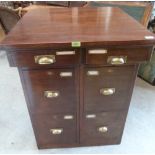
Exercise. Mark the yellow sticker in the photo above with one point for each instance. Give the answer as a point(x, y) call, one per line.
point(76, 44)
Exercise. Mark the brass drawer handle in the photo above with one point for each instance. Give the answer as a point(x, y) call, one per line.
point(107, 91)
point(117, 60)
point(93, 73)
point(98, 51)
point(57, 131)
point(90, 116)
point(103, 129)
point(51, 94)
point(44, 59)
point(68, 117)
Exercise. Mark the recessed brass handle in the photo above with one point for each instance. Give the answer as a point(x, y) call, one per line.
point(57, 131)
point(103, 129)
point(44, 59)
point(107, 91)
point(114, 60)
point(51, 94)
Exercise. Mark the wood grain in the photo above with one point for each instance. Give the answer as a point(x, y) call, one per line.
point(44, 32)
point(133, 54)
point(109, 77)
point(114, 121)
point(26, 58)
point(38, 81)
point(90, 26)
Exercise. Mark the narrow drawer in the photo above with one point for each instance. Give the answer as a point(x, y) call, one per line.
point(54, 130)
point(45, 58)
point(51, 90)
point(118, 56)
point(104, 128)
point(108, 88)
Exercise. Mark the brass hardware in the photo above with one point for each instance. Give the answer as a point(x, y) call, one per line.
point(107, 91)
point(44, 59)
point(99, 51)
point(51, 94)
point(90, 116)
point(149, 37)
point(65, 53)
point(114, 60)
point(103, 129)
point(93, 73)
point(65, 74)
point(68, 117)
point(57, 131)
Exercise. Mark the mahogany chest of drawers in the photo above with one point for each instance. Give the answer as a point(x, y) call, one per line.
point(78, 67)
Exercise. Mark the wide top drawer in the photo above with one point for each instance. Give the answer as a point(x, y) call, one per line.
point(37, 59)
point(118, 56)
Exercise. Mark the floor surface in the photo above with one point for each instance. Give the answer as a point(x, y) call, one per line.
point(16, 134)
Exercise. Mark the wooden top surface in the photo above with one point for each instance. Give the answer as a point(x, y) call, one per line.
point(58, 27)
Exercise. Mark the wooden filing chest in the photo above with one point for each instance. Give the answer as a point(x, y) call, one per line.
point(78, 67)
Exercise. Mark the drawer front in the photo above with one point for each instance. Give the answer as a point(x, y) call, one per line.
point(52, 90)
point(108, 88)
point(103, 128)
point(118, 56)
point(40, 59)
point(55, 130)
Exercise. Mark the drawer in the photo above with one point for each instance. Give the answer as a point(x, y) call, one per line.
point(52, 90)
point(39, 59)
point(117, 56)
point(51, 130)
point(102, 128)
point(108, 88)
